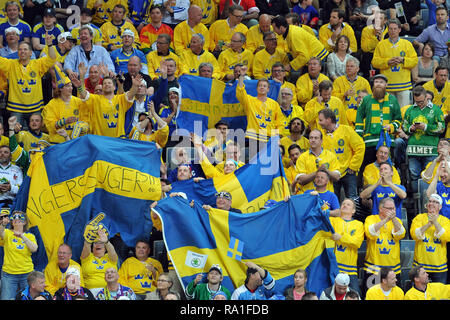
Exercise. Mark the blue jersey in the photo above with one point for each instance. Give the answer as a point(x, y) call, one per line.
point(263, 292)
point(381, 192)
point(39, 32)
point(444, 192)
point(24, 28)
point(330, 200)
point(120, 60)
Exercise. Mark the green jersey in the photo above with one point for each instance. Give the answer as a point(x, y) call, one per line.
point(201, 291)
point(423, 142)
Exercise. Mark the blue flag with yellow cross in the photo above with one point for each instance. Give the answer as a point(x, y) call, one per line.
point(290, 235)
point(69, 184)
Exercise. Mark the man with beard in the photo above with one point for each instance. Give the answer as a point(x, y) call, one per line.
point(294, 152)
point(10, 177)
point(378, 112)
point(330, 200)
point(296, 136)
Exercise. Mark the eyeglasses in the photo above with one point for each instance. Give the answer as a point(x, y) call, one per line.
point(240, 17)
point(271, 39)
point(223, 194)
point(162, 42)
point(3, 217)
point(162, 280)
point(277, 70)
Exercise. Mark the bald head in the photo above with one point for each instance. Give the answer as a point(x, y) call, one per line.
point(195, 15)
point(134, 65)
point(264, 22)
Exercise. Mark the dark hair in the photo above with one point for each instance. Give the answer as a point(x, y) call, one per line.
point(384, 271)
point(294, 146)
point(414, 273)
point(329, 114)
point(340, 12)
point(431, 45)
point(280, 21)
point(439, 68)
point(120, 6)
point(352, 294)
point(325, 85)
point(418, 91)
point(339, 39)
point(292, 120)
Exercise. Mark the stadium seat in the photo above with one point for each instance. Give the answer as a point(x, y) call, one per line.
point(159, 249)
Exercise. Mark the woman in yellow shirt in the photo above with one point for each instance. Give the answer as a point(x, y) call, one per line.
point(96, 258)
point(18, 245)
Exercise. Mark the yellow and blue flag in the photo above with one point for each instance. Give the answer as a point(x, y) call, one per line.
point(290, 235)
point(70, 183)
point(205, 101)
point(250, 186)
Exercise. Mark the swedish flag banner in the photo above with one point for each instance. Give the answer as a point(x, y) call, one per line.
point(250, 186)
point(290, 235)
point(205, 101)
point(72, 182)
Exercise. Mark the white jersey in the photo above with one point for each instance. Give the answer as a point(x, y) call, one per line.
point(11, 174)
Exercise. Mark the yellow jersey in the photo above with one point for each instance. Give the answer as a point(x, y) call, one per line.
point(304, 87)
point(376, 293)
point(159, 136)
point(94, 268)
point(302, 46)
point(348, 146)
point(430, 250)
point(325, 33)
point(264, 119)
point(368, 39)
point(134, 274)
point(58, 109)
point(220, 30)
point(440, 97)
point(210, 10)
point(371, 174)
point(30, 140)
point(313, 107)
point(111, 34)
point(17, 256)
point(308, 163)
point(434, 291)
point(399, 76)
point(255, 40)
point(182, 35)
point(103, 13)
point(190, 62)
point(341, 85)
point(25, 83)
point(154, 61)
point(383, 248)
point(107, 116)
point(263, 62)
point(55, 279)
point(229, 58)
point(346, 250)
point(296, 112)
